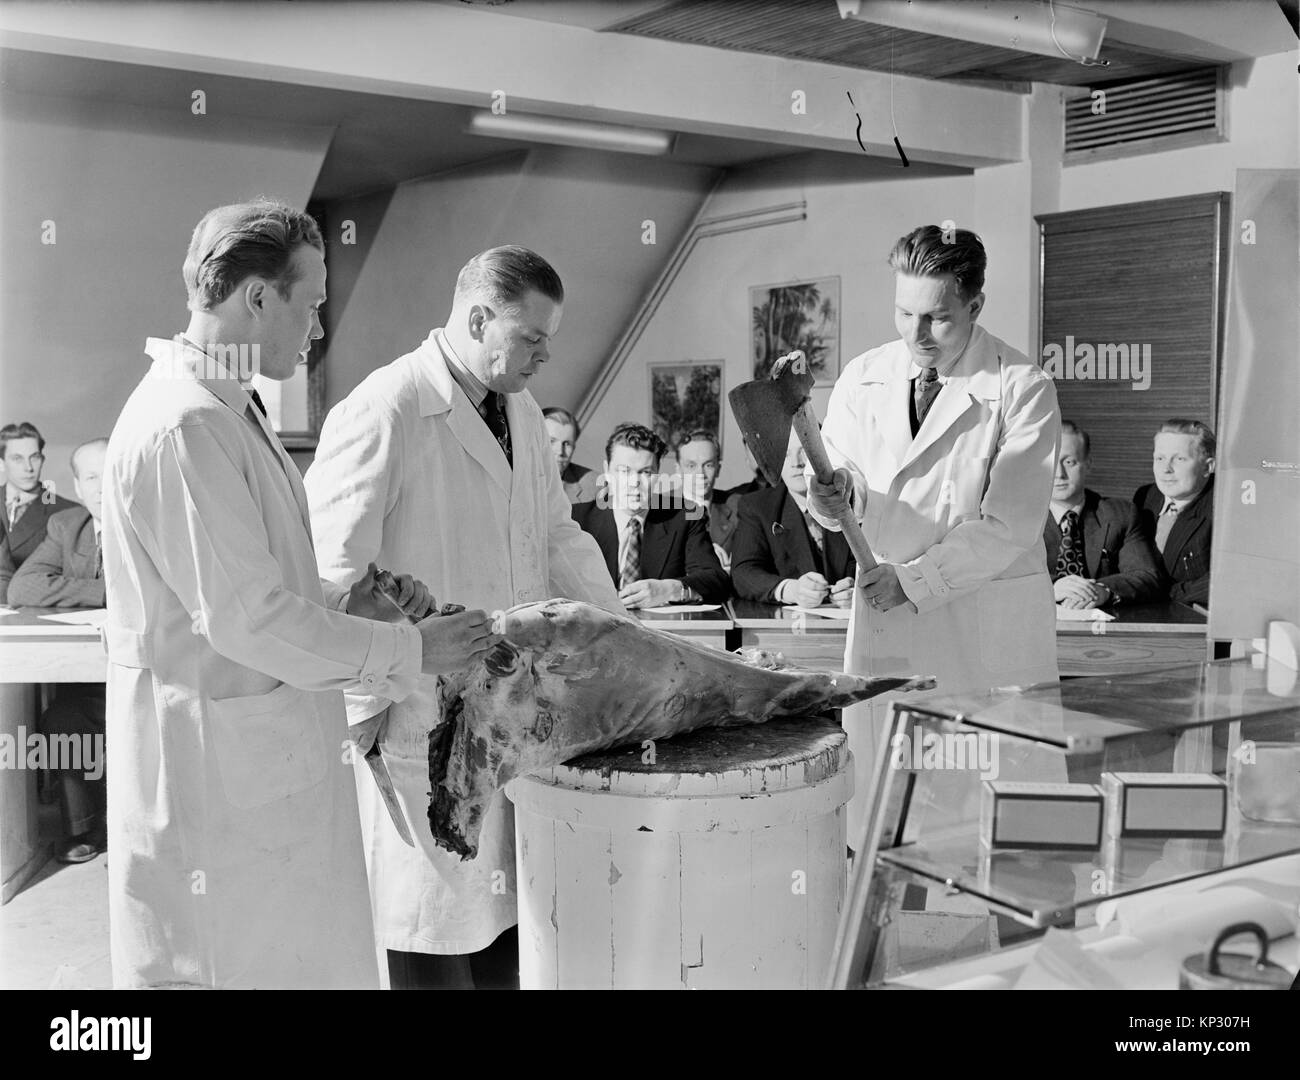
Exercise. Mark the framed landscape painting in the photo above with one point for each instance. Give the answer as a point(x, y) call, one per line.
point(684, 397)
point(799, 315)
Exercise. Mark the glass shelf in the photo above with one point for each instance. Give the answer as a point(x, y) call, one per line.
point(1043, 889)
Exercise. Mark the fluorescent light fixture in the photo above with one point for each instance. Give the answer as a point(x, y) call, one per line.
point(592, 136)
point(1046, 28)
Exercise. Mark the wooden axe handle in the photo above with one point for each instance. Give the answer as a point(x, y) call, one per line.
point(810, 436)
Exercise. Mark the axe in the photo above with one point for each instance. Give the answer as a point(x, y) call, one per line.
point(765, 410)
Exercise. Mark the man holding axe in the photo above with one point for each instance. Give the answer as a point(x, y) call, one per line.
point(943, 445)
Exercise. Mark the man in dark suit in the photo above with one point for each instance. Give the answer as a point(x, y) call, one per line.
point(28, 503)
point(1178, 508)
point(781, 553)
point(699, 460)
point(580, 483)
point(655, 555)
point(1098, 553)
point(67, 570)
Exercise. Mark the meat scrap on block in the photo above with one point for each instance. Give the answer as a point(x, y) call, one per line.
point(571, 678)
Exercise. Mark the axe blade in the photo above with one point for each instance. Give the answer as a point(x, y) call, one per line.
point(764, 410)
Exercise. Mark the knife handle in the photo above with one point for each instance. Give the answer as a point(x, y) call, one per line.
point(810, 437)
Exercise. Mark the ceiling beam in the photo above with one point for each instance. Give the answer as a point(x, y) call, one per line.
point(465, 55)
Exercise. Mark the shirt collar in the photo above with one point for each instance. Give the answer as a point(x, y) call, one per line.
point(622, 517)
point(946, 371)
point(178, 358)
point(14, 497)
point(465, 379)
point(1059, 510)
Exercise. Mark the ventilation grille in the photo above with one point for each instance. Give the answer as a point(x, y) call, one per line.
point(1145, 115)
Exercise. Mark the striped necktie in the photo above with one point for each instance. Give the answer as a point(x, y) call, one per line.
point(630, 568)
point(924, 390)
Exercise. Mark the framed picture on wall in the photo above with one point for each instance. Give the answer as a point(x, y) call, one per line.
point(797, 315)
point(684, 397)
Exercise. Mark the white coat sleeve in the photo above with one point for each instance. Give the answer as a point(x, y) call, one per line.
point(1013, 508)
point(577, 568)
point(351, 485)
point(195, 515)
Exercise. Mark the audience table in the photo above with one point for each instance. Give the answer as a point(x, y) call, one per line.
point(33, 650)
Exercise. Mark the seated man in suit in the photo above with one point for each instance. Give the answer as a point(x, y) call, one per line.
point(28, 503)
point(1098, 552)
point(1178, 508)
point(655, 555)
point(781, 554)
point(67, 571)
point(699, 460)
point(580, 483)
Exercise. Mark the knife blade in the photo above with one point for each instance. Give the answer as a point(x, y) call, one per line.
point(375, 759)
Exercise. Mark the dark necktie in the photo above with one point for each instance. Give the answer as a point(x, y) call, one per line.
point(816, 532)
point(493, 411)
point(1069, 559)
point(257, 399)
point(99, 556)
point(630, 571)
point(925, 388)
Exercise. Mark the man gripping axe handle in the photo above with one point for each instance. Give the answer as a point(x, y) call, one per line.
point(765, 409)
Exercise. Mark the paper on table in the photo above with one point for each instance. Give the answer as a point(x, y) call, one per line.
point(828, 612)
point(678, 609)
point(1065, 614)
point(95, 617)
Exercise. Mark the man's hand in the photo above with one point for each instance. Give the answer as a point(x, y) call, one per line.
point(832, 500)
point(842, 593)
point(453, 642)
point(407, 597)
point(882, 590)
point(650, 592)
point(1073, 591)
point(809, 590)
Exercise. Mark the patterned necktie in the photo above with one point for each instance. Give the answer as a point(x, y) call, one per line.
point(257, 400)
point(99, 556)
point(493, 411)
point(1070, 558)
point(817, 533)
point(1164, 524)
point(630, 570)
point(924, 390)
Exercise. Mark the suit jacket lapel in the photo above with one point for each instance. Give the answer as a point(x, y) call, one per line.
point(797, 542)
point(1184, 527)
point(1095, 533)
point(656, 542)
point(31, 523)
point(464, 420)
point(605, 532)
point(1052, 541)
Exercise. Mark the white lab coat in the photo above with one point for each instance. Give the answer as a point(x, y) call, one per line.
point(407, 475)
point(960, 510)
point(235, 846)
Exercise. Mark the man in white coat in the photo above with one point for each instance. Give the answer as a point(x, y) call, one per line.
point(236, 847)
point(945, 444)
point(441, 462)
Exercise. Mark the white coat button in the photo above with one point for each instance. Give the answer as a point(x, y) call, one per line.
point(367, 680)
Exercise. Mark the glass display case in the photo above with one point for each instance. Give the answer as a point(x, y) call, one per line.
point(1128, 783)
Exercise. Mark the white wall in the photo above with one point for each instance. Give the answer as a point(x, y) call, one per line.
point(1263, 133)
point(124, 187)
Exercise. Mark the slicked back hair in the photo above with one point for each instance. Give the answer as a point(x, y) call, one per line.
point(20, 430)
point(638, 437)
point(505, 275)
point(243, 240)
point(930, 251)
point(72, 459)
point(1069, 427)
point(565, 417)
point(704, 435)
point(1205, 441)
